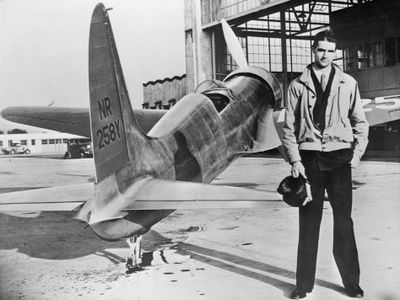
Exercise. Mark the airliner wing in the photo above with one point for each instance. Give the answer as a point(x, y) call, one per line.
point(76, 120)
point(70, 120)
point(63, 119)
point(379, 111)
point(165, 194)
point(382, 110)
point(60, 198)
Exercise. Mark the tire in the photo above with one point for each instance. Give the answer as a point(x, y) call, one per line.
point(12, 152)
point(27, 151)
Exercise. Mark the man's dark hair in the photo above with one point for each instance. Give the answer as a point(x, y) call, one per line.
point(325, 35)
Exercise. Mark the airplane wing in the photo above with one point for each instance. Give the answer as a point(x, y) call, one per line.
point(63, 119)
point(165, 194)
point(156, 194)
point(382, 110)
point(379, 111)
point(60, 198)
point(70, 120)
point(76, 120)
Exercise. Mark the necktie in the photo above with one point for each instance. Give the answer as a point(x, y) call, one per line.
point(323, 82)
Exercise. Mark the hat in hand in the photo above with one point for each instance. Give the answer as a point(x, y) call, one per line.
point(293, 190)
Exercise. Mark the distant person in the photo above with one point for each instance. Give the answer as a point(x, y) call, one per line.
point(325, 135)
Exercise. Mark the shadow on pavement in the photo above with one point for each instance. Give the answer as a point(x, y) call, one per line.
point(215, 257)
point(56, 235)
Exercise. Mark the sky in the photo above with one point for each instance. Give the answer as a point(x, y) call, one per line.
point(44, 48)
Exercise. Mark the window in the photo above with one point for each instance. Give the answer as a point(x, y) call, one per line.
point(361, 62)
point(65, 141)
point(390, 51)
point(45, 142)
point(33, 142)
point(378, 54)
point(1, 143)
point(349, 59)
point(52, 141)
point(373, 55)
point(369, 55)
point(339, 58)
point(24, 142)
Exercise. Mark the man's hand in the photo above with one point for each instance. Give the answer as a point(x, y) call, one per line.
point(309, 196)
point(355, 161)
point(298, 168)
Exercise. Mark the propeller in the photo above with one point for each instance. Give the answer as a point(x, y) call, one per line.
point(267, 134)
point(233, 45)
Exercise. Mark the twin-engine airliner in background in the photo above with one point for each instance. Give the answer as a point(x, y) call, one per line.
point(149, 163)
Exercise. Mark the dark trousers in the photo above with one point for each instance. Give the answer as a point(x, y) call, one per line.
point(338, 183)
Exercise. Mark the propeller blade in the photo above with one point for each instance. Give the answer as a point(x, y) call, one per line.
point(233, 44)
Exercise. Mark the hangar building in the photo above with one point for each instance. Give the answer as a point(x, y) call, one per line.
point(277, 35)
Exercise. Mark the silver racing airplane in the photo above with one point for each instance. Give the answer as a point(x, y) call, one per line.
point(147, 163)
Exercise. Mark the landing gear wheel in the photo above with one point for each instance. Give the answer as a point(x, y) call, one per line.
point(134, 259)
point(129, 263)
point(130, 267)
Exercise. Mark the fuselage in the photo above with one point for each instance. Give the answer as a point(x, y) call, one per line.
point(192, 142)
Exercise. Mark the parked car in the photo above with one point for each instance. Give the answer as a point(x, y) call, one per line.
point(86, 151)
point(83, 150)
point(16, 149)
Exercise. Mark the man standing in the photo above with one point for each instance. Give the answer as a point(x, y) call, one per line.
point(325, 135)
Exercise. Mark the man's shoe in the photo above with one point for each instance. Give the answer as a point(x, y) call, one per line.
point(297, 294)
point(355, 292)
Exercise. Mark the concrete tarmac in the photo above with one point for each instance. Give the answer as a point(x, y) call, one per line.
point(202, 254)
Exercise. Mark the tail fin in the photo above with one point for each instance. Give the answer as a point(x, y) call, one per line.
point(111, 115)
